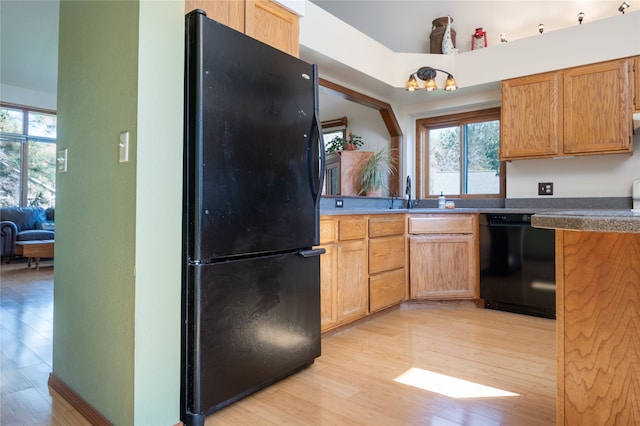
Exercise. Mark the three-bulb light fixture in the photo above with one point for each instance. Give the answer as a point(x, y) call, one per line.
point(428, 75)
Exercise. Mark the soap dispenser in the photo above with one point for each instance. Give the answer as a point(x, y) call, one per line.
point(442, 201)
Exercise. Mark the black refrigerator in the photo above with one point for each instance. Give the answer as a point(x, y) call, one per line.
point(253, 171)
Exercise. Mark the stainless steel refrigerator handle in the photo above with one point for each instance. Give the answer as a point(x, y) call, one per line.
point(312, 252)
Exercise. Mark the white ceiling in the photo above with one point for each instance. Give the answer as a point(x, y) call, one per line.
point(29, 44)
point(404, 26)
point(29, 28)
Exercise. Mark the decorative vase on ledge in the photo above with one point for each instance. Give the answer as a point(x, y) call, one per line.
point(437, 34)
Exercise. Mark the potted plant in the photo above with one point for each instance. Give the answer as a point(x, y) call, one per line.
point(340, 144)
point(374, 176)
point(353, 143)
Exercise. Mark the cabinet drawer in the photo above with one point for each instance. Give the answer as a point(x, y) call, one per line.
point(386, 254)
point(386, 289)
point(353, 229)
point(441, 224)
point(328, 231)
point(385, 226)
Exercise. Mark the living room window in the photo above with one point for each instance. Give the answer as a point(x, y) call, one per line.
point(27, 156)
point(457, 155)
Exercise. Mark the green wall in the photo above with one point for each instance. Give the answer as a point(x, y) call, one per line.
point(117, 266)
point(159, 212)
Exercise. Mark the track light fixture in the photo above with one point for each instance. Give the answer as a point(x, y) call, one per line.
point(428, 75)
point(580, 17)
point(623, 6)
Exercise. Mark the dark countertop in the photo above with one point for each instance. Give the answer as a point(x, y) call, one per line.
point(623, 221)
point(502, 210)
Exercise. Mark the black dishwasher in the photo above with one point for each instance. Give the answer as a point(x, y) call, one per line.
point(517, 265)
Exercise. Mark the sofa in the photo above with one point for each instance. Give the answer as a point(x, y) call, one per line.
point(24, 224)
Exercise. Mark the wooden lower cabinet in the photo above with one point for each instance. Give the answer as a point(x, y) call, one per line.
point(441, 266)
point(329, 287)
point(353, 294)
point(344, 292)
point(443, 256)
point(365, 268)
point(386, 289)
point(387, 261)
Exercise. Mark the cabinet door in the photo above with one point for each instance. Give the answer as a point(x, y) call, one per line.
point(531, 116)
point(273, 25)
point(386, 254)
point(328, 287)
point(442, 266)
point(227, 12)
point(353, 291)
point(597, 108)
point(386, 289)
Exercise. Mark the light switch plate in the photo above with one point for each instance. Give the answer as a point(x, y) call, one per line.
point(61, 160)
point(124, 146)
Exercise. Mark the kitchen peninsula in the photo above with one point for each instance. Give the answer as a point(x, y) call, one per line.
point(598, 315)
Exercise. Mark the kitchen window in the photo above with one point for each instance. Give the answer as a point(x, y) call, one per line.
point(457, 155)
point(27, 156)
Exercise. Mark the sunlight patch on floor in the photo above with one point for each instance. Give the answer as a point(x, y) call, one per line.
point(447, 385)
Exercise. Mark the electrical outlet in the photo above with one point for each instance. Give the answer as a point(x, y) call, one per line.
point(339, 203)
point(545, 188)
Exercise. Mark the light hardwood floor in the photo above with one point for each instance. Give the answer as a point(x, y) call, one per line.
point(26, 327)
point(352, 383)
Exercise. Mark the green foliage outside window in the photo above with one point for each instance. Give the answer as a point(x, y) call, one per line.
point(27, 157)
point(462, 154)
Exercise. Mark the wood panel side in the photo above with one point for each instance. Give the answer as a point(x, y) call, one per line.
point(560, 327)
point(601, 296)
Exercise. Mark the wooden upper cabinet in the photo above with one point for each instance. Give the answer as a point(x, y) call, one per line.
point(576, 111)
point(263, 20)
point(597, 107)
point(227, 12)
point(272, 24)
point(531, 122)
